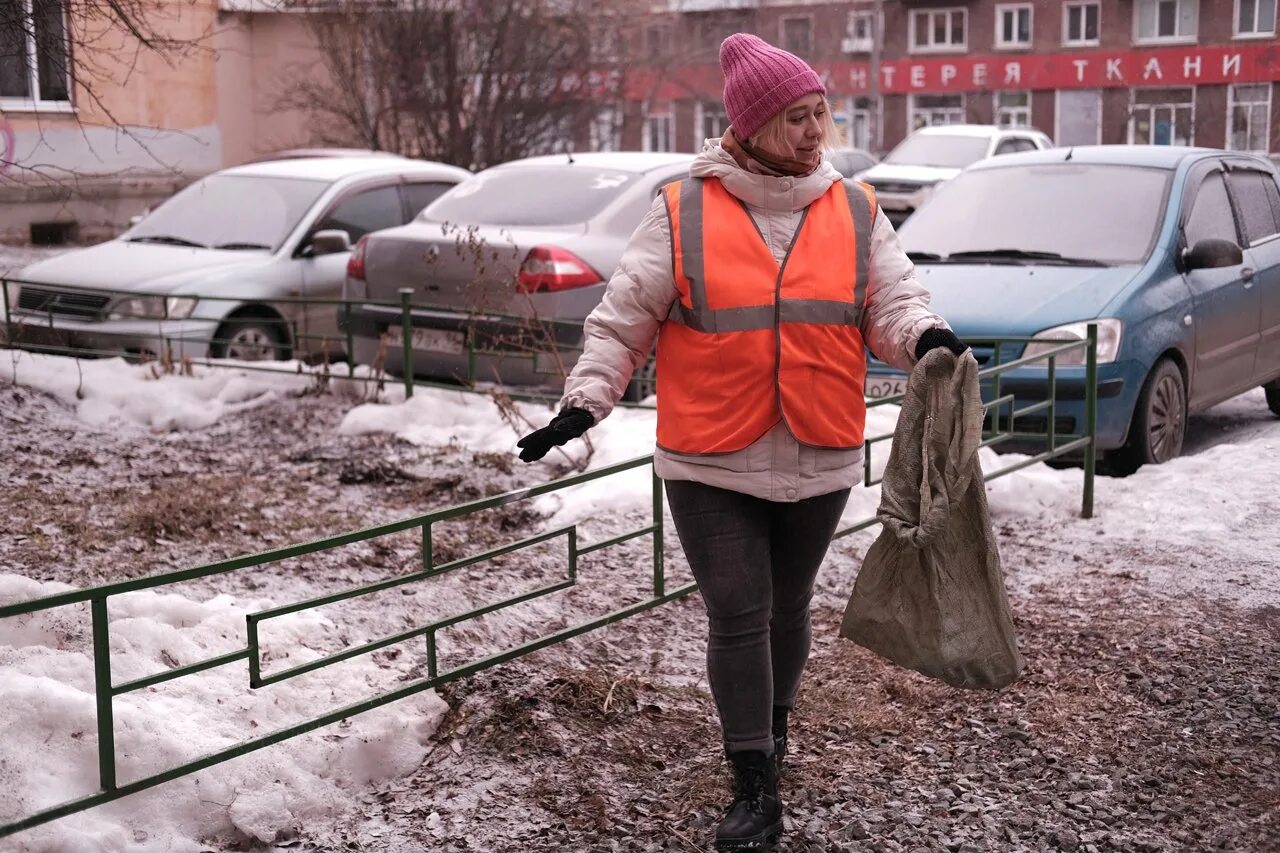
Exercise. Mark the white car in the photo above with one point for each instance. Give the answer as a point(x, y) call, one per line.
point(199, 275)
point(906, 178)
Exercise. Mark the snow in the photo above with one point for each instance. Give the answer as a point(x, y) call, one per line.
point(1191, 526)
point(114, 393)
point(47, 669)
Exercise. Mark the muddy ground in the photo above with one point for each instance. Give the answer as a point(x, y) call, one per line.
point(1147, 717)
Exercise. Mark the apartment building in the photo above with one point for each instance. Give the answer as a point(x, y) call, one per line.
point(1174, 72)
point(94, 130)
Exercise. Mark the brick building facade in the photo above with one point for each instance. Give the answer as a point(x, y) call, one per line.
point(1182, 72)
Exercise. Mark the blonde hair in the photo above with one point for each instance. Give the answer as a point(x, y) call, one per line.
point(773, 136)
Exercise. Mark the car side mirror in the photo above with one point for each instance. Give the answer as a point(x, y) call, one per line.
point(330, 242)
point(1212, 253)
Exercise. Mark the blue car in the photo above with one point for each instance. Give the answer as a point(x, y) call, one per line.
point(1173, 252)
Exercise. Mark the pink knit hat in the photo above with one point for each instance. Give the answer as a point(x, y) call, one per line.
point(760, 80)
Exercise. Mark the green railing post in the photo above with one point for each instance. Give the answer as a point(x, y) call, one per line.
point(428, 556)
point(8, 320)
point(1090, 419)
point(406, 328)
point(103, 694)
point(1051, 428)
point(351, 344)
point(659, 570)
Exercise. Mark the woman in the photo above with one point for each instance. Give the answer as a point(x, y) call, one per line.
point(764, 278)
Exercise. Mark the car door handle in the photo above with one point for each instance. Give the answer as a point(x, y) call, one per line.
point(1246, 275)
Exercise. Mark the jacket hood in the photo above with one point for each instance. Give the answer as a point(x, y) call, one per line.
point(762, 192)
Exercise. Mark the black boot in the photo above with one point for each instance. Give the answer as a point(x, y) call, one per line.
point(780, 713)
point(753, 820)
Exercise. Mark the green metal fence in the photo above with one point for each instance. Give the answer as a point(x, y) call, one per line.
point(538, 340)
point(106, 689)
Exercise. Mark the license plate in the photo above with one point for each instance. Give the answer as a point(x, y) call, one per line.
point(885, 387)
point(429, 340)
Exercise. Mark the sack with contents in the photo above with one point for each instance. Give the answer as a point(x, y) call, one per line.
point(930, 595)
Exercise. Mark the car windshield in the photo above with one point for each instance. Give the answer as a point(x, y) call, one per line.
point(944, 151)
point(1078, 211)
point(230, 211)
point(531, 195)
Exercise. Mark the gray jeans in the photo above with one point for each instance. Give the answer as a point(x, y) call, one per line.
point(755, 562)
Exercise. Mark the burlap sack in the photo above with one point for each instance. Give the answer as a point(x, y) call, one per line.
point(930, 595)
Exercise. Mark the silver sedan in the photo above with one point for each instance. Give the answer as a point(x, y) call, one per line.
point(505, 267)
point(201, 275)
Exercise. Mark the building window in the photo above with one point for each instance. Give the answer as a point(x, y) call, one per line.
point(1255, 18)
point(929, 110)
point(797, 35)
point(1249, 117)
point(1013, 26)
point(34, 70)
point(657, 41)
point(606, 129)
point(939, 30)
point(712, 122)
point(860, 33)
point(659, 132)
point(1013, 109)
point(1162, 116)
point(1080, 26)
point(712, 28)
point(1166, 20)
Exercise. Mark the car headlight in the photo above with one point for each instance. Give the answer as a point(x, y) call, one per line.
point(1109, 331)
point(154, 308)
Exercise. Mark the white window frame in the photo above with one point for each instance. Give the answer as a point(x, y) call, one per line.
point(1003, 9)
point(853, 44)
point(1067, 40)
point(782, 32)
point(605, 128)
point(668, 116)
point(912, 110)
point(1177, 38)
point(1253, 34)
point(699, 120)
point(1231, 105)
point(1133, 112)
point(997, 110)
point(948, 47)
point(35, 104)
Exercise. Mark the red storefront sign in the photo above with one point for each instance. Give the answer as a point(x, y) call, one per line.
point(1182, 66)
point(1086, 69)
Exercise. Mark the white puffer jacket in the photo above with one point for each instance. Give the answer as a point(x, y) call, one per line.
point(621, 330)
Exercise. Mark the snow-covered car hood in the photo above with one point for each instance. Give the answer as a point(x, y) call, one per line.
point(905, 173)
point(146, 267)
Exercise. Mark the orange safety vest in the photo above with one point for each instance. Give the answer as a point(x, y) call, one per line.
point(749, 343)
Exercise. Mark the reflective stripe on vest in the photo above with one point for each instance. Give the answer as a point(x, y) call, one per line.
point(750, 341)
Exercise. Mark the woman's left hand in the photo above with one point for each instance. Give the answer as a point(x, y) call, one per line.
point(934, 338)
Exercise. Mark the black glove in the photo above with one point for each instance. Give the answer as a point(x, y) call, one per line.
point(934, 338)
point(570, 423)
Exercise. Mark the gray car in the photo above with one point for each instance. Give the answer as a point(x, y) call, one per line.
point(198, 275)
point(510, 263)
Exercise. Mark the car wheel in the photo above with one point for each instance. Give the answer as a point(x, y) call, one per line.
point(644, 382)
point(1273, 397)
point(250, 339)
point(1159, 421)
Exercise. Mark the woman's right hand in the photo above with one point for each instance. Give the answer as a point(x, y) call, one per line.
point(570, 423)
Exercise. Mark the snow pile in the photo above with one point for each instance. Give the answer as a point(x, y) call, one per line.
point(49, 751)
point(112, 392)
